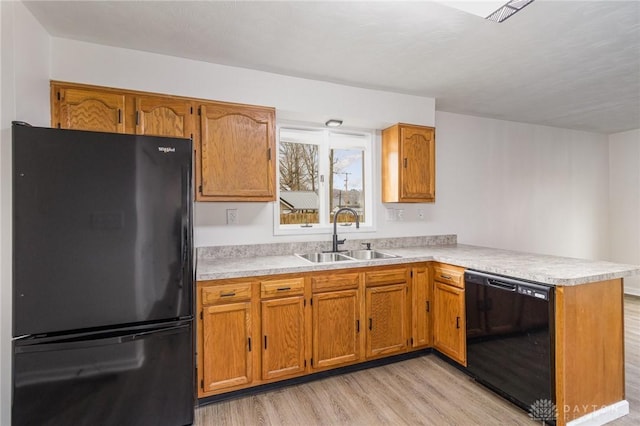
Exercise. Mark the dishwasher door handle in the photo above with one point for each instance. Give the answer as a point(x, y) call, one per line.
point(501, 285)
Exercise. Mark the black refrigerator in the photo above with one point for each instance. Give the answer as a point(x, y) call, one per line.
point(102, 279)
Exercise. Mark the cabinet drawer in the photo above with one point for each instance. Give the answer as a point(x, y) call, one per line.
point(226, 293)
point(284, 287)
point(386, 276)
point(451, 275)
point(334, 282)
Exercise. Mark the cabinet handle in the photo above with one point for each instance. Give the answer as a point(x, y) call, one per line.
point(357, 326)
point(265, 342)
point(227, 294)
point(370, 324)
point(446, 277)
point(457, 323)
point(283, 288)
point(249, 341)
point(137, 118)
point(427, 306)
point(119, 115)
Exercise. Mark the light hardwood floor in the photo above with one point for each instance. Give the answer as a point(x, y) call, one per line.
point(420, 391)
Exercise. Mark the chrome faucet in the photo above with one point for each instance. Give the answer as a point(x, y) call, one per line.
point(336, 241)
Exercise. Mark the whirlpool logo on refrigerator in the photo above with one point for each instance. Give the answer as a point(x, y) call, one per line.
point(166, 149)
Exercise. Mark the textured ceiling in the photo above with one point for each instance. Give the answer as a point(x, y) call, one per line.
point(571, 64)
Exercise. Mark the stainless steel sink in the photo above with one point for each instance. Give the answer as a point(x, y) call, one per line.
point(324, 257)
point(369, 255)
point(348, 255)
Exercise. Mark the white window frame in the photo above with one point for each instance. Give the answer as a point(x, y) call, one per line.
point(360, 139)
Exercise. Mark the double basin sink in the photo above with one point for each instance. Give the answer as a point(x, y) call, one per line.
point(323, 257)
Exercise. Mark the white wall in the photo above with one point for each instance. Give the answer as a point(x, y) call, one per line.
point(523, 187)
point(624, 202)
point(24, 74)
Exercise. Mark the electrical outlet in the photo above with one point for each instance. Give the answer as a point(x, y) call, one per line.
point(400, 215)
point(232, 216)
point(421, 214)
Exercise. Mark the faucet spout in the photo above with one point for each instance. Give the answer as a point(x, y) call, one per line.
point(337, 242)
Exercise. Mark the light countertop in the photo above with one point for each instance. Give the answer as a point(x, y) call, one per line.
point(553, 270)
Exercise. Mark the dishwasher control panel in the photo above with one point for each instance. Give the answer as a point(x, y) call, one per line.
point(532, 292)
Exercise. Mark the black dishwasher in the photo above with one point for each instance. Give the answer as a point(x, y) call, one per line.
point(510, 337)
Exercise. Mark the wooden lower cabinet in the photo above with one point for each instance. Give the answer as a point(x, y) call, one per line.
point(226, 346)
point(386, 320)
point(336, 328)
point(449, 321)
point(421, 306)
point(387, 314)
point(265, 329)
point(283, 336)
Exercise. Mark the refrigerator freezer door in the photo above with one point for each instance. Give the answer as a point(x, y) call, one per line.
point(141, 378)
point(102, 230)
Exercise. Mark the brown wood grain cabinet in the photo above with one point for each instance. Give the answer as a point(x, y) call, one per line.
point(386, 301)
point(317, 321)
point(449, 335)
point(163, 116)
point(225, 347)
point(283, 328)
point(87, 109)
point(408, 164)
point(337, 328)
point(234, 144)
point(421, 306)
point(237, 153)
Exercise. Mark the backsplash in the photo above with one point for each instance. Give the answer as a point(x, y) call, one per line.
point(281, 249)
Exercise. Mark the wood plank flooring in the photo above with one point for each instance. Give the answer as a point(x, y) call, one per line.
point(420, 391)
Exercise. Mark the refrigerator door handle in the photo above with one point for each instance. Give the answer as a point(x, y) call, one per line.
point(159, 331)
point(89, 342)
point(54, 346)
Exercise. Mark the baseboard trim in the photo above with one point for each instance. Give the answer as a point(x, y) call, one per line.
point(603, 415)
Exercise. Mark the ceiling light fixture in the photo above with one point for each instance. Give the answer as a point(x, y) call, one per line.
point(497, 11)
point(333, 123)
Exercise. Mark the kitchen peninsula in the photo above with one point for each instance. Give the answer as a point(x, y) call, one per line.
point(271, 292)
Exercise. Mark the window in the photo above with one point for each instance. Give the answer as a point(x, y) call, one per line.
point(320, 171)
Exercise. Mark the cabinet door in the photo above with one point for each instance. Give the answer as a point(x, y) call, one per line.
point(449, 322)
point(226, 346)
point(237, 153)
point(336, 328)
point(386, 319)
point(160, 116)
point(283, 337)
point(417, 150)
point(420, 307)
point(87, 109)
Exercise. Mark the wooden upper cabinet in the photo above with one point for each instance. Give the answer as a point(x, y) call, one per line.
point(237, 153)
point(234, 144)
point(408, 164)
point(162, 116)
point(87, 109)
